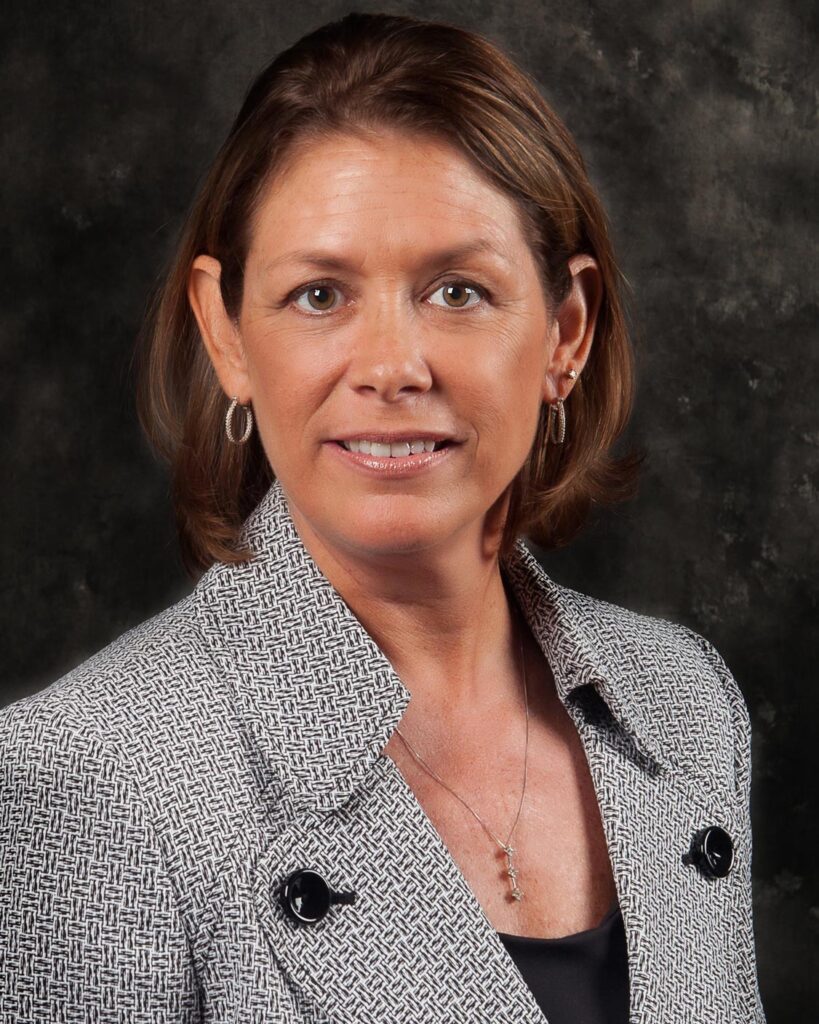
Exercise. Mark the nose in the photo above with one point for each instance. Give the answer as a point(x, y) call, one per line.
point(389, 358)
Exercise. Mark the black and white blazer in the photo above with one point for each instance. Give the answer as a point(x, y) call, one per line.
point(154, 801)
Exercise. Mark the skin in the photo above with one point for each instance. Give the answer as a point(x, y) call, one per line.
point(415, 559)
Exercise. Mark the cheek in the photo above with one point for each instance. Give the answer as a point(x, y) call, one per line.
point(286, 379)
point(282, 385)
point(506, 390)
point(506, 426)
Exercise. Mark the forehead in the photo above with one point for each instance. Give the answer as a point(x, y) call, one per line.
point(395, 192)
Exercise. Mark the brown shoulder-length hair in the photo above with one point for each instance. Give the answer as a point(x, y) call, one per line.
point(357, 74)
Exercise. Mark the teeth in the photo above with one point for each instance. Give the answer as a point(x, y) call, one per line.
point(395, 451)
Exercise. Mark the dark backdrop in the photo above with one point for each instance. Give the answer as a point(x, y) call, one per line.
point(698, 122)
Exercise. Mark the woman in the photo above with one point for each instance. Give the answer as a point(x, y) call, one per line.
point(378, 766)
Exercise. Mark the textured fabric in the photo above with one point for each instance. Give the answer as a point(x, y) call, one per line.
point(580, 978)
point(154, 799)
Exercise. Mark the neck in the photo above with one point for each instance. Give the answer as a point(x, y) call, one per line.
point(442, 618)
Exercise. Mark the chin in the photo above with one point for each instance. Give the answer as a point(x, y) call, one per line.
point(375, 536)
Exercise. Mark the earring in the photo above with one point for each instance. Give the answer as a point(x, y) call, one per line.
point(229, 423)
point(556, 410)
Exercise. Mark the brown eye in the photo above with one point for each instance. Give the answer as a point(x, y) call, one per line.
point(458, 293)
point(319, 297)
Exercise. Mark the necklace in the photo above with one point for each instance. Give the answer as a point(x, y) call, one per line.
point(507, 848)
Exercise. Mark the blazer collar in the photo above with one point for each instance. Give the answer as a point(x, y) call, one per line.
point(317, 696)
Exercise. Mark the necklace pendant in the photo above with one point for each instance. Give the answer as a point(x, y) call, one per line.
point(512, 872)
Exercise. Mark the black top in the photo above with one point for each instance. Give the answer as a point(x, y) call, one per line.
point(580, 978)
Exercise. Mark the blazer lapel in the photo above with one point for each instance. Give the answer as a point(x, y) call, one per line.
point(415, 945)
point(318, 701)
point(679, 925)
point(638, 698)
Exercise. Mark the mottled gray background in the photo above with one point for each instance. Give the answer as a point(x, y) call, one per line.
point(698, 121)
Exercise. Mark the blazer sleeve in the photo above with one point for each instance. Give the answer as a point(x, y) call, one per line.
point(741, 727)
point(89, 925)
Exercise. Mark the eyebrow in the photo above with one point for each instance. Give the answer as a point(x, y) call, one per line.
point(331, 261)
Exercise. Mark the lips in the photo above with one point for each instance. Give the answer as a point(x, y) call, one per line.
point(394, 467)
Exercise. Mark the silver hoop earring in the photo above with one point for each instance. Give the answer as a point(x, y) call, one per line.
point(229, 423)
point(556, 410)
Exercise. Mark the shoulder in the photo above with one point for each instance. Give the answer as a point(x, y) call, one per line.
point(79, 853)
point(150, 723)
point(126, 679)
point(679, 682)
point(90, 715)
point(148, 702)
point(651, 643)
point(654, 641)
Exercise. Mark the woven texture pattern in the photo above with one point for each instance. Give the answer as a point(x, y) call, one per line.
point(154, 799)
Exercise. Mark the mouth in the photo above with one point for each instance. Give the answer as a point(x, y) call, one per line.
point(394, 461)
point(394, 449)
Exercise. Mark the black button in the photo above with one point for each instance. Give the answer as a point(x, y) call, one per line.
point(712, 850)
point(306, 897)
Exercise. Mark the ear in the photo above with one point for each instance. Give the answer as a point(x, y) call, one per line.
point(219, 333)
point(573, 326)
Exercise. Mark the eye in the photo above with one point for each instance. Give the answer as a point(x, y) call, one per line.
point(319, 296)
point(459, 292)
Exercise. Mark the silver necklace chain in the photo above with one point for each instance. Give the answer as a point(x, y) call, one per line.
point(509, 850)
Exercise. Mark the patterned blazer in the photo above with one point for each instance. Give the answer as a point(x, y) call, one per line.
point(155, 800)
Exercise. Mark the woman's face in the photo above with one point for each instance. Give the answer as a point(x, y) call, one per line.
point(388, 289)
